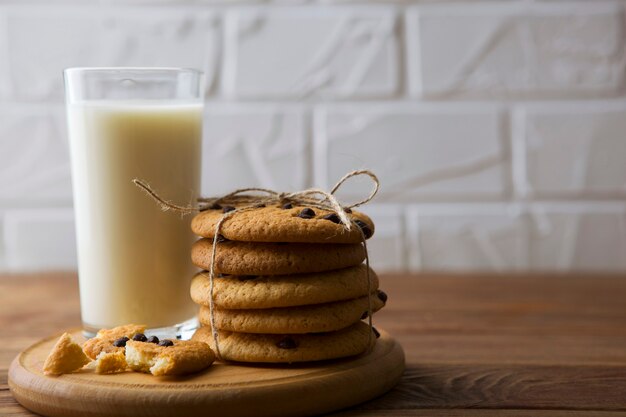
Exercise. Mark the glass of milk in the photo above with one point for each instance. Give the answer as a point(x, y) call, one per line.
point(133, 258)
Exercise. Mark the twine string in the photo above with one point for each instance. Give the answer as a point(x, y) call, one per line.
point(243, 201)
point(239, 196)
point(216, 238)
point(369, 290)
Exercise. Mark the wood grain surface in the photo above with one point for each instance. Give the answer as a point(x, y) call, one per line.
point(234, 390)
point(476, 345)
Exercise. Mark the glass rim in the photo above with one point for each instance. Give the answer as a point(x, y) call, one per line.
point(171, 70)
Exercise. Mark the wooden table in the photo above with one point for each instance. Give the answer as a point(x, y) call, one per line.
point(476, 345)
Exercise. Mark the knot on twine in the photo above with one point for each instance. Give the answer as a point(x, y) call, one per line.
point(243, 201)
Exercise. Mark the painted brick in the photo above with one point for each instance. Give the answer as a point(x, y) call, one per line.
point(583, 237)
point(418, 152)
point(485, 237)
point(39, 239)
point(254, 146)
point(573, 149)
point(516, 49)
point(386, 249)
point(34, 155)
point(301, 52)
point(163, 37)
point(46, 40)
point(5, 79)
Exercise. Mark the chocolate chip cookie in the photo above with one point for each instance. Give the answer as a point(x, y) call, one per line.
point(273, 348)
point(271, 291)
point(305, 319)
point(283, 223)
point(246, 258)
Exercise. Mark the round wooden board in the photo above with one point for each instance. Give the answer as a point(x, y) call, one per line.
point(222, 390)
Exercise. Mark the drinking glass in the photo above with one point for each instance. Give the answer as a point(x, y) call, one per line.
point(133, 258)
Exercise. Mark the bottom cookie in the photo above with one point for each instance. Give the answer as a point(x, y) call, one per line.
point(272, 348)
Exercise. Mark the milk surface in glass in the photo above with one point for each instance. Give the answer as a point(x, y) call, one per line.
point(134, 258)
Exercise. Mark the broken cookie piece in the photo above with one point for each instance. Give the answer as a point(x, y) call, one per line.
point(106, 338)
point(178, 358)
point(66, 356)
point(111, 362)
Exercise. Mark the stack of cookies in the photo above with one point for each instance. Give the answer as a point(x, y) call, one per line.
point(290, 284)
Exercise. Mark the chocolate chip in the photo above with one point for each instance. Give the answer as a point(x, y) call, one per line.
point(306, 213)
point(140, 337)
point(332, 217)
point(367, 231)
point(153, 339)
point(287, 343)
point(226, 209)
point(246, 277)
point(260, 205)
point(166, 343)
point(347, 210)
point(382, 295)
point(376, 332)
point(221, 239)
point(364, 315)
point(121, 342)
point(215, 206)
point(223, 275)
point(287, 206)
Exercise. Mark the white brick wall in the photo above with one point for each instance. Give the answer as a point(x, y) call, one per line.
point(418, 151)
point(467, 237)
point(44, 40)
point(516, 49)
point(254, 145)
point(298, 52)
point(589, 236)
point(574, 149)
point(39, 239)
point(498, 128)
point(34, 156)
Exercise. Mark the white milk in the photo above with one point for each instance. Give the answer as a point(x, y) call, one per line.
point(134, 259)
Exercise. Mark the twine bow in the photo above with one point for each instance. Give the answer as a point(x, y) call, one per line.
point(313, 197)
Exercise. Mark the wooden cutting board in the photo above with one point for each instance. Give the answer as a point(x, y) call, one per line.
point(222, 390)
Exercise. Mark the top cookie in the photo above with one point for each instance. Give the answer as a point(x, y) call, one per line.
point(286, 223)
